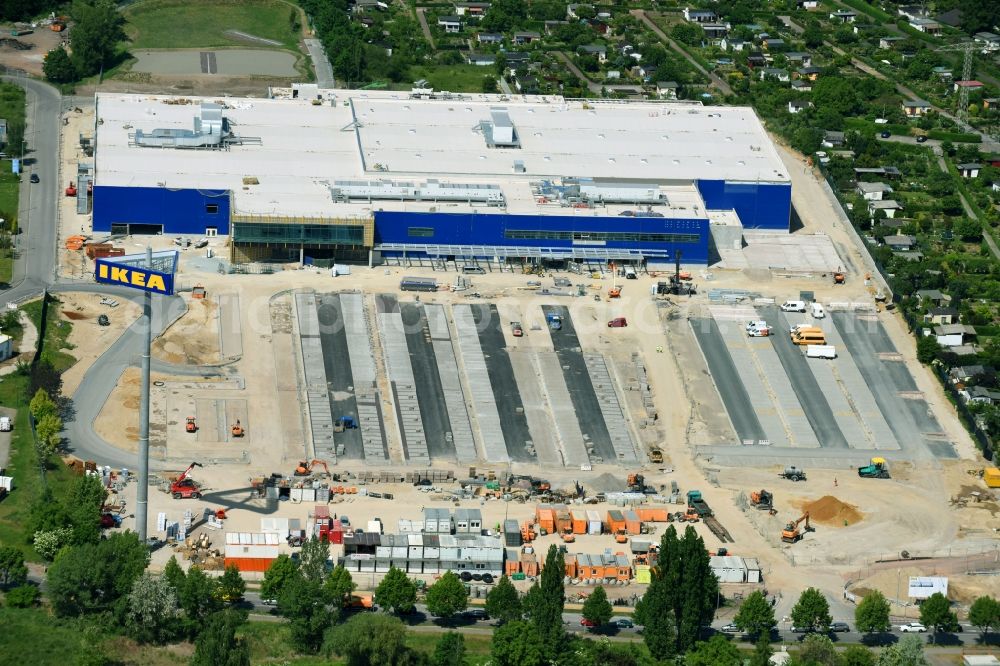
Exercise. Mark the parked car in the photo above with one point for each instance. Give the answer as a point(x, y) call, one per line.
point(622, 623)
point(590, 624)
point(839, 627)
point(516, 329)
point(34, 178)
point(921, 139)
point(269, 601)
point(885, 135)
point(731, 629)
point(476, 614)
point(912, 628)
point(794, 306)
point(801, 630)
point(618, 322)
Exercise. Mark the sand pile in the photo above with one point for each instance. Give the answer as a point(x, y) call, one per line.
point(828, 510)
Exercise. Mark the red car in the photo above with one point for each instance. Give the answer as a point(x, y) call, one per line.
point(618, 322)
point(584, 622)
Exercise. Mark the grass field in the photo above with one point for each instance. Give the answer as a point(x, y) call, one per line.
point(12, 109)
point(453, 78)
point(178, 24)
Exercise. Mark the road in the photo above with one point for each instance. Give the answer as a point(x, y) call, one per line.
point(578, 73)
point(987, 233)
point(424, 27)
point(716, 81)
point(321, 63)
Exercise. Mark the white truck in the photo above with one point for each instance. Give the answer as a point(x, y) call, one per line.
point(5, 424)
point(817, 311)
point(793, 306)
point(758, 329)
point(821, 351)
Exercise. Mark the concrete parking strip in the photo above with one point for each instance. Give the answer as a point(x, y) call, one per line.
point(480, 391)
point(581, 390)
point(536, 408)
point(230, 331)
point(571, 441)
point(803, 383)
point(509, 404)
point(366, 392)
point(611, 408)
point(397, 363)
point(315, 376)
point(339, 373)
point(460, 426)
point(430, 393)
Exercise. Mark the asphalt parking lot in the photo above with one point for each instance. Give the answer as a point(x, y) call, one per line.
point(339, 379)
point(433, 411)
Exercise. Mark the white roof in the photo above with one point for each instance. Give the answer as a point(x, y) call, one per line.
point(921, 587)
point(296, 149)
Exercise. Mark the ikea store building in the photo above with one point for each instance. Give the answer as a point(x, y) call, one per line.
point(377, 176)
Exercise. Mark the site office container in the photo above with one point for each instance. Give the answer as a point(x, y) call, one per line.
point(590, 566)
point(632, 523)
point(249, 563)
point(622, 568)
point(529, 564)
point(546, 520)
point(594, 523)
point(652, 514)
point(992, 477)
point(564, 521)
point(571, 565)
point(579, 522)
point(615, 522)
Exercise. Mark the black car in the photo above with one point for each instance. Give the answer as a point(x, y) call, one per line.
point(839, 627)
point(921, 139)
point(34, 178)
point(476, 614)
point(886, 134)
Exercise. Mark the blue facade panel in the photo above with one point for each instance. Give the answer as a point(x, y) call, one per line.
point(759, 205)
point(179, 211)
point(491, 229)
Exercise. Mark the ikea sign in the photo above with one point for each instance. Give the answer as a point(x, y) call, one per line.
point(110, 272)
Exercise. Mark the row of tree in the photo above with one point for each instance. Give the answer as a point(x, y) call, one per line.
point(98, 28)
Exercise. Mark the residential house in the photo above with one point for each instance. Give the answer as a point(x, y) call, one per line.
point(988, 103)
point(481, 59)
point(873, 191)
point(646, 72)
point(969, 170)
point(843, 16)
point(366, 22)
point(779, 74)
point(901, 243)
point(795, 106)
point(489, 38)
point(952, 18)
point(832, 139)
point(732, 44)
point(666, 89)
point(810, 73)
point(989, 40)
point(926, 25)
point(571, 10)
point(806, 4)
point(700, 15)
point(552, 26)
point(6, 347)
point(889, 42)
point(526, 37)
point(883, 172)
point(887, 206)
point(598, 50)
point(516, 59)
point(799, 58)
point(912, 11)
point(971, 85)
point(613, 74)
point(963, 374)
point(450, 23)
point(362, 6)
point(953, 335)
point(715, 31)
point(933, 295)
point(471, 8)
point(943, 73)
point(802, 85)
point(756, 59)
point(980, 395)
point(526, 84)
point(895, 225)
point(916, 107)
point(941, 315)
point(775, 45)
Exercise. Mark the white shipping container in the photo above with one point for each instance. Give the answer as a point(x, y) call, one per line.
point(821, 351)
point(594, 524)
point(375, 526)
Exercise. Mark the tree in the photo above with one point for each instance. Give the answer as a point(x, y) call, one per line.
point(812, 610)
point(396, 592)
point(597, 608)
point(697, 596)
point(43, 374)
point(490, 85)
point(313, 558)
point(338, 587)
point(857, 655)
point(656, 610)
point(450, 650)
point(42, 405)
point(447, 596)
point(978, 16)
point(984, 614)
point(84, 508)
point(303, 602)
point(98, 29)
point(546, 614)
point(909, 651)
point(58, 68)
point(872, 614)
point(217, 644)
point(47, 431)
point(936, 614)
point(174, 575)
point(503, 603)
point(48, 543)
point(151, 614)
point(756, 616)
point(96, 577)
point(968, 230)
point(371, 639)
point(13, 572)
point(813, 35)
point(927, 348)
point(517, 643)
point(818, 650)
point(199, 597)
point(762, 651)
point(277, 575)
point(717, 651)
point(231, 585)
point(25, 596)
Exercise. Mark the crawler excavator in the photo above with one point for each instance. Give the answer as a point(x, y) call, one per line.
point(305, 467)
point(792, 533)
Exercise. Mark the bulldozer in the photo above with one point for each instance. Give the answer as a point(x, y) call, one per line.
point(306, 467)
point(792, 533)
point(237, 429)
point(762, 499)
point(877, 468)
point(190, 425)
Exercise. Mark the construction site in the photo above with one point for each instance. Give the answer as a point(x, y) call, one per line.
point(439, 419)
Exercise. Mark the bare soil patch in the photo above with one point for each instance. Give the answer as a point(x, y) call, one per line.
point(194, 338)
point(828, 510)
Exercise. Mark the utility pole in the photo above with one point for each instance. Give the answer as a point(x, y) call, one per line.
point(142, 503)
point(963, 91)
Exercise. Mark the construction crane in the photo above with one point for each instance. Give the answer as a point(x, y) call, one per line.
point(184, 487)
point(791, 533)
point(963, 91)
point(305, 467)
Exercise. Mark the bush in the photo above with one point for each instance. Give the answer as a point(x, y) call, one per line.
point(25, 596)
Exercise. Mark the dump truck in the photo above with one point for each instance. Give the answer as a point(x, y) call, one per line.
point(877, 468)
point(697, 504)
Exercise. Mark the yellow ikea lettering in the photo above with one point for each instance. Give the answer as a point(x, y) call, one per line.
point(138, 279)
point(102, 270)
point(119, 274)
point(155, 283)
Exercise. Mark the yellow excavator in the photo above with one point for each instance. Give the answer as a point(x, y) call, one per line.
point(792, 533)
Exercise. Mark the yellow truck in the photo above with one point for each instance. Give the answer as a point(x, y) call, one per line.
point(992, 477)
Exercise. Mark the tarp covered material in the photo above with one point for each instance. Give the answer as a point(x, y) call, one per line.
point(922, 587)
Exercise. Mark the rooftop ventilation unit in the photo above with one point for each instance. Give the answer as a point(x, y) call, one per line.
point(211, 131)
point(432, 190)
point(499, 130)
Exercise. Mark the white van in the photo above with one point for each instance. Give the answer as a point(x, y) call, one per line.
point(794, 306)
point(630, 273)
point(5, 425)
point(817, 311)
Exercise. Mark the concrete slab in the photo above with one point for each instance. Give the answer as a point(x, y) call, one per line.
point(537, 411)
point(480, 391)
point(230, 329)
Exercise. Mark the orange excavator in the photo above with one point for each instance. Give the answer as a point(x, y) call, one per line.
point(792, 533)
point(306, 467)
point(238, 429)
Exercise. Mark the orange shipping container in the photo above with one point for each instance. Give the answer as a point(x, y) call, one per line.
point(632, 523)
point(652, 515)
point(579, 522)
point(564, 522)
point(570, 563)
point(547, 521)
point(249, 563)
point(529, 564)
point(615, 522)
point(512, 567)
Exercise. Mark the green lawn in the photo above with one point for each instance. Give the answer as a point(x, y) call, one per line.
point(56, 333)
point(38, 639)
point(176, 24)
point(11, 108)
point(453, 78)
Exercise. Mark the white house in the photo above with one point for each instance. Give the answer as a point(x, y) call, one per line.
point(666, 89)
point(969, 170)
point(779, 74)
point(873, 191)
point(888, 206)
point(450, 23)
point(6, 347)
point(481, 59)
point(926, 25)
point(599, 50)
point(700, 15)
point(843, 16)
point(916, 107)
point(954, 335)
point(807, 4)
point(796, 106)
point(989, 40)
